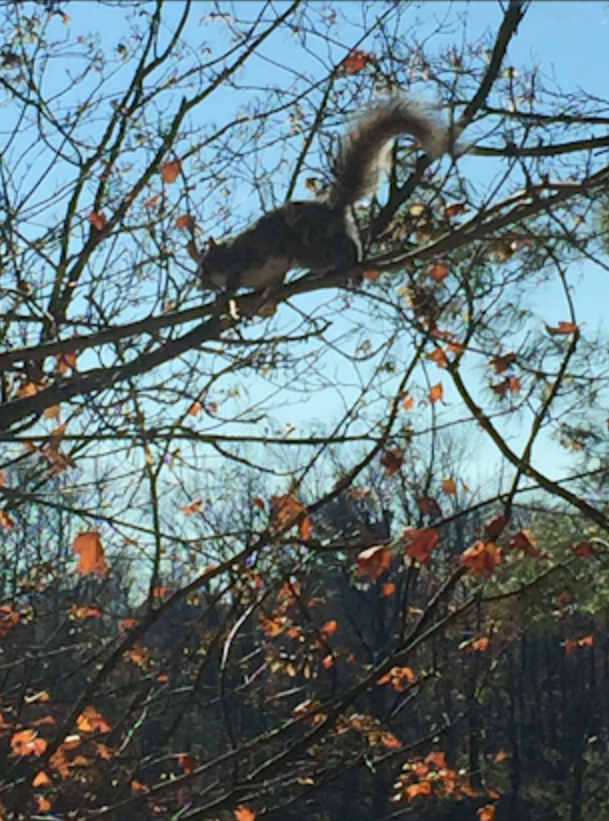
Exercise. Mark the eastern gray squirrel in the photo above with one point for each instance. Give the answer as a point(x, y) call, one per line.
point(320, 235)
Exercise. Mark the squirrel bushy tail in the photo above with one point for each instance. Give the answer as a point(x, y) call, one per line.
point(362, 153)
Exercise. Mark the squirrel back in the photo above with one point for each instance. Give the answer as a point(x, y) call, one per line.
point(320, 235)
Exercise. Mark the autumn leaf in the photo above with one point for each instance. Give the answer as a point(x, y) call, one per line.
point(152, 201)
point(98, 220)
point(6, 523)
point(438, 759)
point(192, 507)
point(41, 779)
point(414, 790)
point(170, 171)
point(475, 644)
point(455, 209)
point(482, 558)
point(525, 540)
point(572, 644)
point(8, 619)
point(421, 543)
point(582, 549)
point(391, 741)
point(28, 742)
point(487, 813)
point(329, 628)
point(187, 763)
point(285, 512)
point(436, 393)
point(66, 362)
point(92, 558)
point(494, 528)
point(273, 627)
point(439, 272)
point(429, 507)
point(244, 813)
point(449, 486)
point(85, 611)
point(388, 589)
point(392, 460)
point(438, 356)
point(501, 363)
point(398, 678)
point(562, 329)
point(91, 721)
point(184, 221)
point(44, 803)
point(371, 276)
point(373, 561)
point(356, 61)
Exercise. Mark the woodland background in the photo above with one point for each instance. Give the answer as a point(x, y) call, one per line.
point(345, 554)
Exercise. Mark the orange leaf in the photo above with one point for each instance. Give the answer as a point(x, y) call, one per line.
point(438, 759)
point(152, 201)
point(398, 678)
point(6, 523)
point(44, 804)
point(66, 362)
point(195, 409)
point(187, 763)
point(183, 221)
point(41, 779)
point(475, 644)
point(422, 543)
point(329, 628)
point(439, 357)
point(92, 558)
point(91, 721)
point(192, 507)
point(8, 619)
point(170, 171)
point(455, 209)
point(500, 364)
point(84, 611)
point(482, 558)
point(449, 486)
point(439, 272)
point(244, 813)
point(407, 402)
point(285, 510)
point(525, 540)
point(305, 528)
point(562, 329)
point(390, 741)
point(429, 507)
point(27, 742)
point(356, 61)
point(582, 549)
point(494, 528)
point(388, 589)
point(392, 460)
point(97, 219)
point(371, 276)
point(422, 788)
point(436, 393)
point(373, 561)
point(487, 813)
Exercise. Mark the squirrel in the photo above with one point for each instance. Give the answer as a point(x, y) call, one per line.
point(320, 235)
